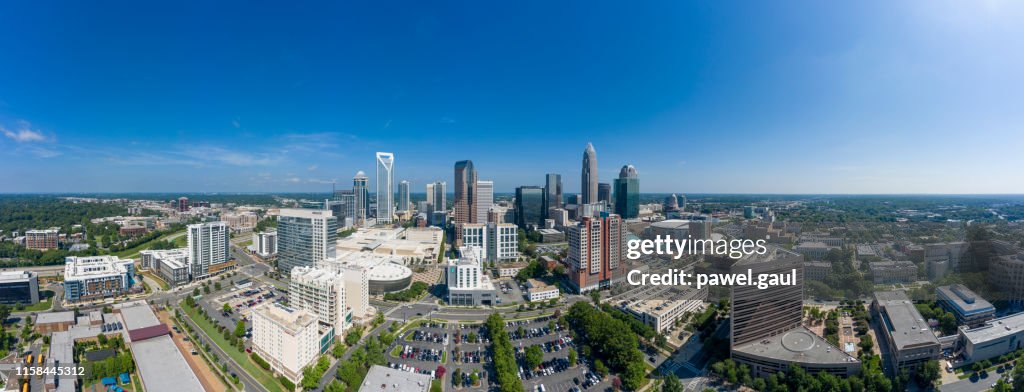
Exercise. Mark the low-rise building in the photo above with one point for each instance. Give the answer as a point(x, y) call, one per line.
point(908, 337)
point(19, 287)
point(540, 291)
point(551, 235)
point(817, 270)
point(287, 338)
point(889, 272)
point(42, 239)
point(385, 379)
point(92, 277)
point(49, 322)
point(662, 314)
point(969, 308)
point(814, 250)
point(510, 270)
point(170, 264)
point(993, 338)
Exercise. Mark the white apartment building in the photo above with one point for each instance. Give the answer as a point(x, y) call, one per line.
point(171, 264)
point(286, 338)
point(466, 281)
point(266, 243)
point(321, 292)
point(357, 292)
point(208, 248)
point(93, 277)
point(499, 241)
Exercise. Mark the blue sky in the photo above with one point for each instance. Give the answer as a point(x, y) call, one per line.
point(744, 97)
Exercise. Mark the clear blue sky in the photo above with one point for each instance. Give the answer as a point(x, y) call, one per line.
point(746, 97)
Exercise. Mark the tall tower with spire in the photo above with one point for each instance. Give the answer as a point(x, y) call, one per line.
point(588, 184)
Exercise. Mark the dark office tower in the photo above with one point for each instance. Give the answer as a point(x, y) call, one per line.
point(588, 183)
point(552, 192)
point(627, 193)
point(465, 196)
point(763, 313)
point(604, 193)
point(530, 206)
point(360, 186)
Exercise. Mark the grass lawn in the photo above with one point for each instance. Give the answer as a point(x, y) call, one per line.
point(163, 285)
point(396, 351)
point(45, 302)
point(264, 377)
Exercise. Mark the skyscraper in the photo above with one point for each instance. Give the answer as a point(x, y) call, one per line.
point(465, 196)
point(361, 189)
point(588, 183)
point(305, 238)
point(403, 196)
point(385, 187)
point(430, 193)
point(530, 206)
point(208, 251)
point(596, 248)
point(604, 194)
point(439, 206)
point(627, 193)
point(484, 200)
point(552, 191)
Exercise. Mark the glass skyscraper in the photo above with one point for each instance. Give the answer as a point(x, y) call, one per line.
point(552, 191)
point(627, 193)
point(305, 238)
point(385, 187)
point(530, 206)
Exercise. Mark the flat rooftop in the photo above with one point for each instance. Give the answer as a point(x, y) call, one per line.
point(162, 367)
point(902, 320)
point(55, 317)
point(798, 345)
point(965, 301)
point(995, 329)
point(381, 378)
point(16, 276)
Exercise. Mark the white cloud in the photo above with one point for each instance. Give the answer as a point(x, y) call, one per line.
point(24, 133)
point(312, 168)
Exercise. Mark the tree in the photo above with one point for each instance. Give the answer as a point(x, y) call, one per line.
point(226, 308)
point(195, 292)
point(601, 368)
point(534, 356)
point(572, 357)
point(928, 373)
point(240, 329)
point(596, 297)
point(216, 286)
point(671, 384)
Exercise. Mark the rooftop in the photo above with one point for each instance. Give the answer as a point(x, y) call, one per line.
point(798, 345)
point(995, 329)
point(14, 276)
point(381, 378)
point(965, 301)
point(163, 367)
point(55, 317)
point(903, 321)
point(285, 317)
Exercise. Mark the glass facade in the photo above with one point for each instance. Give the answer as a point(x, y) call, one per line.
point(530, 206)
point(627, 197)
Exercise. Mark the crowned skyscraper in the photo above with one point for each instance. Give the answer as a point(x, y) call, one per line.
point(588, 183)
point(385, 187)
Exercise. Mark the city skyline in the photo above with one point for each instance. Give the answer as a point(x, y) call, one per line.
point(865, 98)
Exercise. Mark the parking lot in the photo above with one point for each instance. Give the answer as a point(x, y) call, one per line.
point(509, 291)
point(241, 302)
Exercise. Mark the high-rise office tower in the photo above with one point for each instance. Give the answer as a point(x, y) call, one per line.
point(440, 201)
point(530, 207)
point(344, 207)
point(361, 189)
point(465, 197)
point(627, 193)
point(183, 204)
point(588, 183)
point(385, 187)
point(430, 193)
point(596, 248)
point(305, 238)
point(404, 202)
point(760, 313)
point(208, 250)
point(465, 192)
point(604, 194)
point(484, 199)
point(552, 191)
